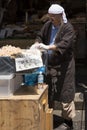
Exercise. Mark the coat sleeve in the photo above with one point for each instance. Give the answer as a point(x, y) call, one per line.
point(44, 34)
point(67, 39)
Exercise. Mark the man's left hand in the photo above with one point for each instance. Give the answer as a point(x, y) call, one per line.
point(43, 46)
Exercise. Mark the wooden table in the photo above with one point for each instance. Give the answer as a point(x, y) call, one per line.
point(27, 109)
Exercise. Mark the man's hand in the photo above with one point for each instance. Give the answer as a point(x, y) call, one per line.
point(40, 46)
point(43, 46)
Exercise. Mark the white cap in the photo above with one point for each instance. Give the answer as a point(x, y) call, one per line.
point(57, 9)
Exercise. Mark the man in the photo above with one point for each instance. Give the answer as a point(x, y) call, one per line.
point(57, 36)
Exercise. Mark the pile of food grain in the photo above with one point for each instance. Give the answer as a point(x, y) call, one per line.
point(9, 50)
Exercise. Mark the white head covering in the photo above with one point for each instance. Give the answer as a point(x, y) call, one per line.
point(57, 9)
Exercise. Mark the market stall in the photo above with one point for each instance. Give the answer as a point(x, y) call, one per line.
point(23, 105)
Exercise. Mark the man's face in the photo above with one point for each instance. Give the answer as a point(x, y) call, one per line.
point(55, 18)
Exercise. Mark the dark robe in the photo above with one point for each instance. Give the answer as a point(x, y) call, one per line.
point(61, 66)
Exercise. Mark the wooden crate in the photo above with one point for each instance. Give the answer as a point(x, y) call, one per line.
point(27, 109)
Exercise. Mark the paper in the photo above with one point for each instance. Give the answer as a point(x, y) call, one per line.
point(28, 60)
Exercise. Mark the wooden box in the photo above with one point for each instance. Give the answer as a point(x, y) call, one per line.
point(26, 110)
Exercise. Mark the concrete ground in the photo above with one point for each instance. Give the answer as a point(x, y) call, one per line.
point(81, 87)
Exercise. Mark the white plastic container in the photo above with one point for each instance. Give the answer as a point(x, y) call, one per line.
point(9, 84)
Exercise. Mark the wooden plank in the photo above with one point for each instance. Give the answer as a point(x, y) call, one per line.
point(30, 93)
point(19, 115)
point(49, 119)
point(43, 103)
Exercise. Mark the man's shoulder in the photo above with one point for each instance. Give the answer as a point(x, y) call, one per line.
point(68, 24)
point(48, 23)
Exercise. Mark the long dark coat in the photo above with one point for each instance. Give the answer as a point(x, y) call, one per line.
point(62, 60)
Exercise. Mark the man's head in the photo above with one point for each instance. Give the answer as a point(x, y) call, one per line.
point(57, 14)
